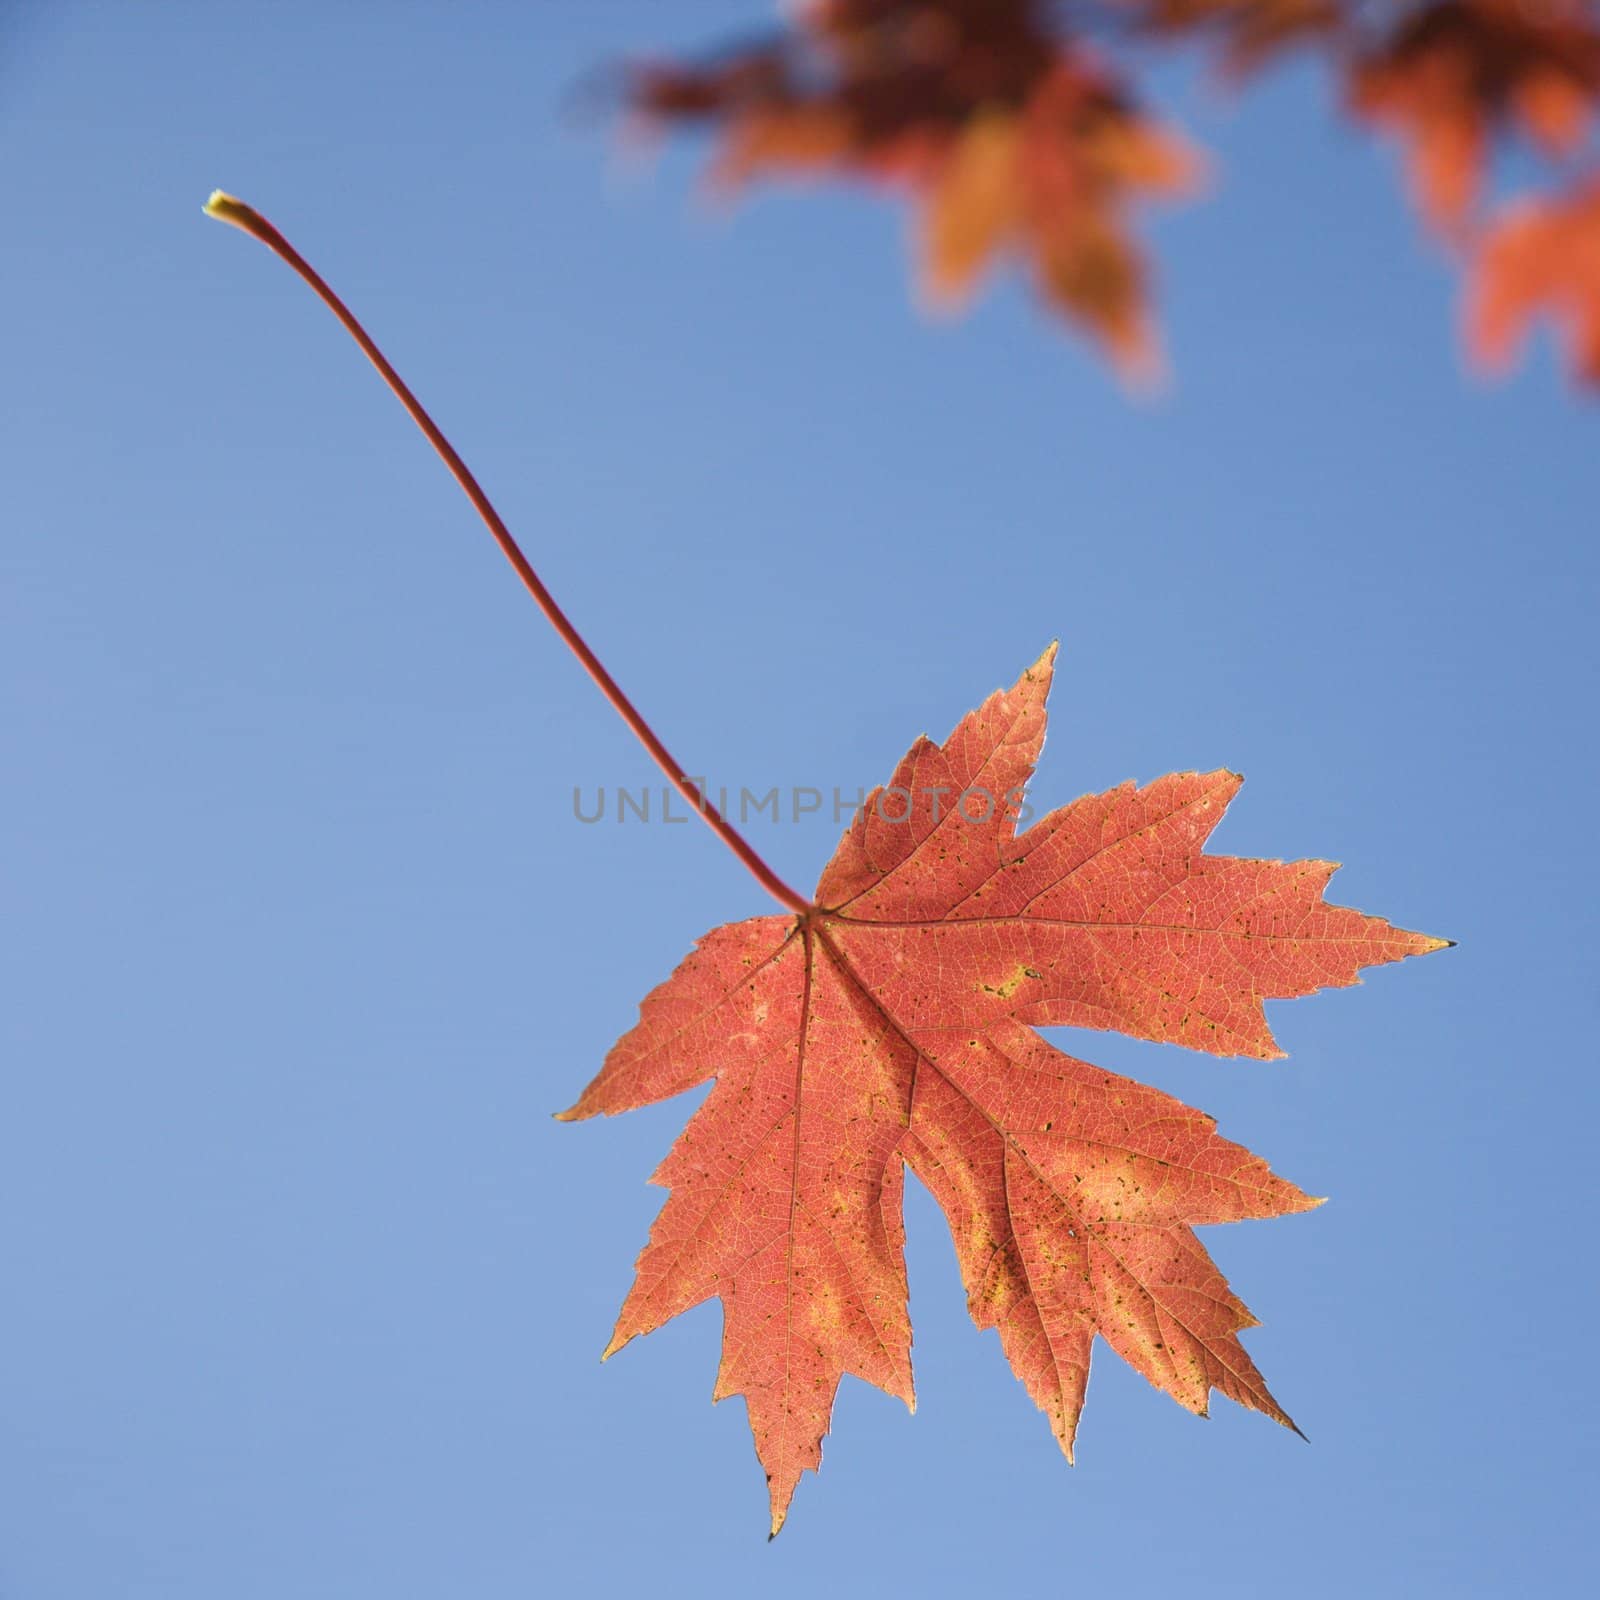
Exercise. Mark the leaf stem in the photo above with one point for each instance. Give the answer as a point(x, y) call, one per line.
point(225, 208)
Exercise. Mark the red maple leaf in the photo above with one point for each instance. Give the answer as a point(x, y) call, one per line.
point(889, 1022)
point(1541, 258)
point(892, 1025)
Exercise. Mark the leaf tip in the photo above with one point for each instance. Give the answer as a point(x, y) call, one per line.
point(1043, 671)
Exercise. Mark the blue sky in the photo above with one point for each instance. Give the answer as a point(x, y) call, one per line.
point(304, 1290)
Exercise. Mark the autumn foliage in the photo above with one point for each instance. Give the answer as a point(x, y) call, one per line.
point(1018, 129)
point(892, 1026)
point(888, 1023)
point(1543, 258)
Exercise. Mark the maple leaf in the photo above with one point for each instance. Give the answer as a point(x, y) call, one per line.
point(1016, 135)
point(1051, 183)
point(889, 1023)
point(1541, 257)
point(1455, 72)
point(892, 1025)
point(1013, 142)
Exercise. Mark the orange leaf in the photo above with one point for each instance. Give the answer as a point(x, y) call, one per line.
point(1006, 135)
point(1088, 268)
point(973, 207)
point(1456, 71)
point(892, 1025)
point(789, 139)
point(1541, 259)
point(1087, 156)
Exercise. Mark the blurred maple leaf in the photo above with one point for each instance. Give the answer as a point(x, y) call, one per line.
point(1051, 183)
point(1016, 127)
point(1541, 258)
point(892, 1024)
point(1456, 72)
point(1014, 142)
